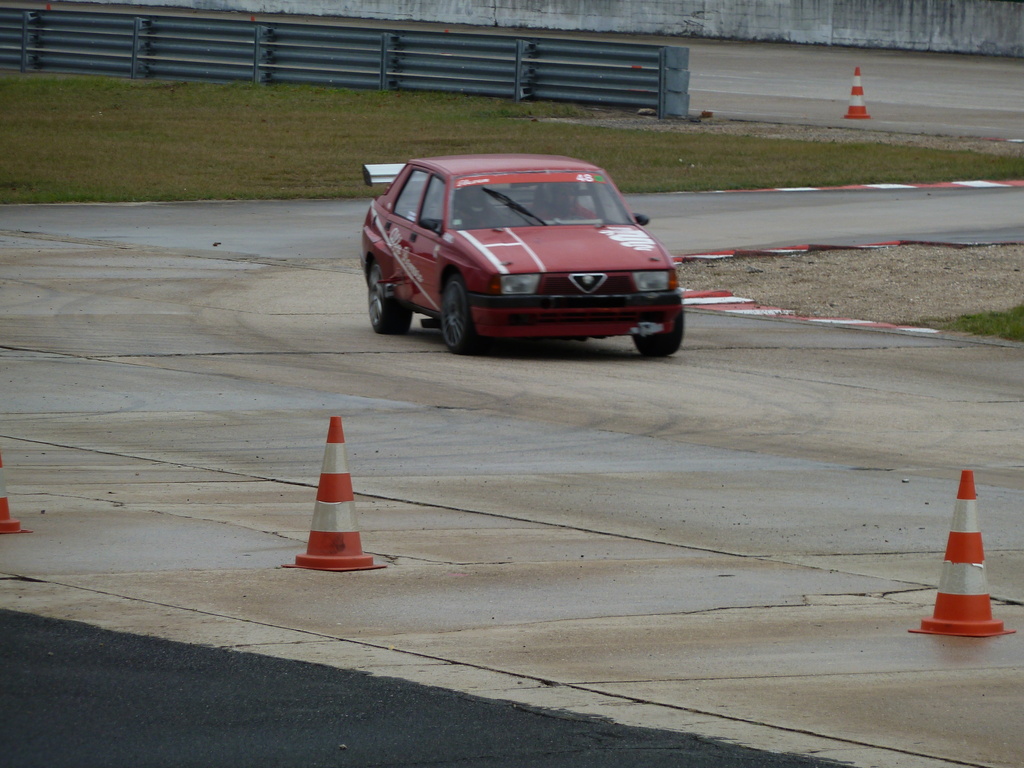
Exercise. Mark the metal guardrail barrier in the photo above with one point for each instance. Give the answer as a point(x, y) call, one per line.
point(225, 50)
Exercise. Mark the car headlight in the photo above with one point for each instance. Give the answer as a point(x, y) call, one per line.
point(653, 281)
point(517, 284)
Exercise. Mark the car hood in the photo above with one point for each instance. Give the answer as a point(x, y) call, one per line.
point(569, 248)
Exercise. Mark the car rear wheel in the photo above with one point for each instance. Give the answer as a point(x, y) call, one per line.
point(457, 326)
point(386, 315)
point(661, 344)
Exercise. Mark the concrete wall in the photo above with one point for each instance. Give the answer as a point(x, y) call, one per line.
point(994, 27)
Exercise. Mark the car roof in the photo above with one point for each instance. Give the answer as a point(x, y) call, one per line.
point(464, 165)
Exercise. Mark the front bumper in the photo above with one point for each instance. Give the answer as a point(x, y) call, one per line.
point(575, 316)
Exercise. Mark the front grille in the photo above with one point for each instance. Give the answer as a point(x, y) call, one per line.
point(556, 317)
point(561, 285)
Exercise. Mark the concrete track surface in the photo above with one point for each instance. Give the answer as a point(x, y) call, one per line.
point(733, 542)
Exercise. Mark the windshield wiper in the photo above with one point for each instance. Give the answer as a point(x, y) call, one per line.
point(517, 207)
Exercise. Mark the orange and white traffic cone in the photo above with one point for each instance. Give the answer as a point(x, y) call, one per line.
point(334, 542)
point(858, 110)
point(963, 606)
point(7, 525)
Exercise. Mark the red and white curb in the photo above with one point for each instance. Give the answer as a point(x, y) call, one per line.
point(789, 250)
point(936, 185)
point(724, 301)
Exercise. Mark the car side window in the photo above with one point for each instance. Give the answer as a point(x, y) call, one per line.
point(408, 203)
point(433, 205)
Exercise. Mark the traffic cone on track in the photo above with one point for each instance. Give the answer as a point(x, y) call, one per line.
point(858, 110)
point(963, 606)
point(334, 542)
point(7, 525)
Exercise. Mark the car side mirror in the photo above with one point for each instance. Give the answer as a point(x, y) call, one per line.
point(642, 220)
point(434, 225)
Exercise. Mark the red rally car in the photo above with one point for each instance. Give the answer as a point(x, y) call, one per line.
point(515, 246)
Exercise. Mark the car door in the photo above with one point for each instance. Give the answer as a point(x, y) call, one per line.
point(425, 243)
point(413, 238)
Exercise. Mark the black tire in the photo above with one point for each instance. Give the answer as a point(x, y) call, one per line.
point(661, 344)
point(457, 327)
point(387, 316)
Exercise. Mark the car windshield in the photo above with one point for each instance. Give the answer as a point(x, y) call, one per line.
point(535, 200)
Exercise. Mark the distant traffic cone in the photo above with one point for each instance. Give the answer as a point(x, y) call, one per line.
point(334, 542)
point(7, 525)
point(963, 606)
point(857, 110)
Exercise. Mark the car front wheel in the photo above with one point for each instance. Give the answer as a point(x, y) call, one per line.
point(661, 344)
point(457, 326)
point(386, 315)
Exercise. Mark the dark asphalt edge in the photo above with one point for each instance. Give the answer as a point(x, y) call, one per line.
point(76, 695)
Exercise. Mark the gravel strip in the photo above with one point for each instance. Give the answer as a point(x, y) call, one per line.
point(907, 284)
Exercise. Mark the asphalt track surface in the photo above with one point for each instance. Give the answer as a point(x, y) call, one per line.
point(76, 696)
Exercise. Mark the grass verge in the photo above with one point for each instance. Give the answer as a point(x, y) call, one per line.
point(87, 139)
point(1005, 325)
